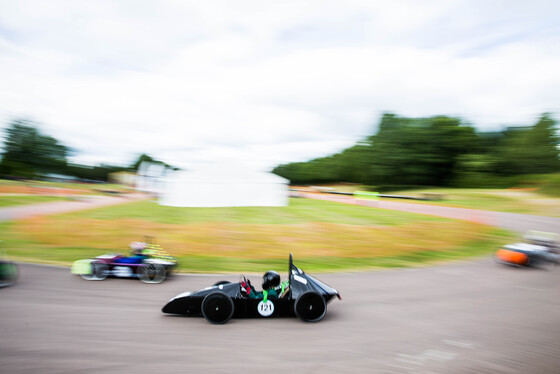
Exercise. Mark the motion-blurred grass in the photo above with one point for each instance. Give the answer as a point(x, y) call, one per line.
point(6, 201)
point(499, 200)
point(298, 211)
point(549, 184)
point(33, 187)
point(323, 236)
point(534, 194)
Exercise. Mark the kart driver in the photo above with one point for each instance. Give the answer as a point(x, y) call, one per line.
point(137, 248)
point(272, 289)
point(137, 251)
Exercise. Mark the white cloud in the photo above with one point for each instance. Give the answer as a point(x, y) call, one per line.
point(267, 82)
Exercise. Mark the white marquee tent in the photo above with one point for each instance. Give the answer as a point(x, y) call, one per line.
point(150, 176)
point(223, 185)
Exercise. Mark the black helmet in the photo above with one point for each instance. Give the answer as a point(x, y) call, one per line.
point(271, 279)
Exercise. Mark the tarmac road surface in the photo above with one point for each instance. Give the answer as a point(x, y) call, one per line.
point(468, 317)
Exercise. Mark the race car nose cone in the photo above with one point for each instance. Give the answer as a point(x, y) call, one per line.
point(512, 257)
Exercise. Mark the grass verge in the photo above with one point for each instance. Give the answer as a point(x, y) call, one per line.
point(499, 200)
point(7, 201)
point(323, 236)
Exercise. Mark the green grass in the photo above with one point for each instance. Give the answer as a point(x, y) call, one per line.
point(299, 211)
point(34, 252)
point(361, 237)
point(7, 201)
point(499, 200)
point(484, 246)
point(45, 187)
point(537, 194)
point(549, 184)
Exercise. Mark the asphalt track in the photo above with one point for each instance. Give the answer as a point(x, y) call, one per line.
point(468, 317)
point(471, 317)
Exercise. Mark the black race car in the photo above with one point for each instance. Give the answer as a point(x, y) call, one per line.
point(303, 296)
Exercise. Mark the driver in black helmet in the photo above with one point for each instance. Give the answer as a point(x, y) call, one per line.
point(271, 286)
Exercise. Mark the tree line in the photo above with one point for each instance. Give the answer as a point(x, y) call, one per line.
point(435, 151)
point(28, 153)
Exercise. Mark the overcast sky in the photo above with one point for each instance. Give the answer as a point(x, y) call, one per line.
point(268, 82)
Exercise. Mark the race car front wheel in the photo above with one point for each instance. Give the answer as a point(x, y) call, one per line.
point(151, 273)
point(310, 307)
point(217, 308)
point(99, 271)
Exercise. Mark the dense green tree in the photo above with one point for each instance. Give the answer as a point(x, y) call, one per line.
point(30, 153)
point(147, 158)
point(353, 164)
point(420, 151)
point(436, 151)
point(525, 150)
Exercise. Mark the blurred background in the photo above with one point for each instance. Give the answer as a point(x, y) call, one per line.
point(189, 83)
point(356, 135)
point(242, 108)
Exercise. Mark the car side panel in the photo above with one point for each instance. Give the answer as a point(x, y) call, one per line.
point(249, 308)
point(189, 305)
point(243, 307)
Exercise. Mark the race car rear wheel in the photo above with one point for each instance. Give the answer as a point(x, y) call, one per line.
point(310, 307)
point(217, 308)
point(99, 271)
point(151, 273)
